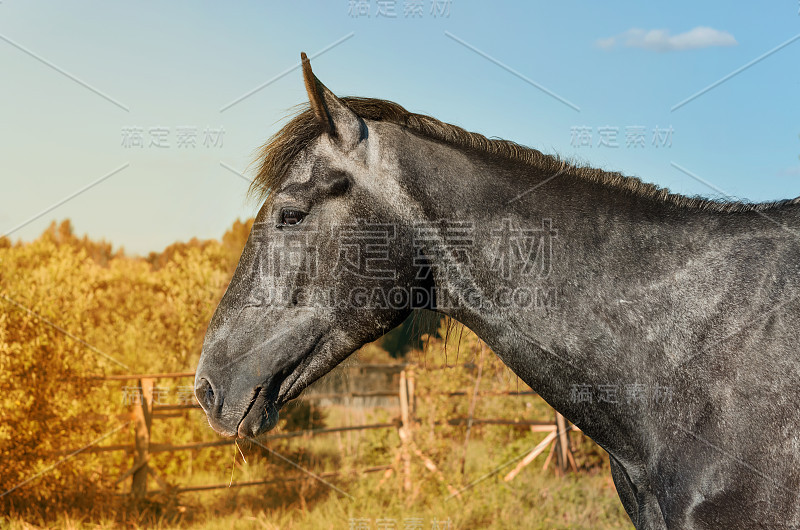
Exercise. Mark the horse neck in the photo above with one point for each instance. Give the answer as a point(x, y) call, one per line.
point(573, 337)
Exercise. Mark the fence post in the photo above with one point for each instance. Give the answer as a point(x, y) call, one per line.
point(562, 447)
point(405, 432)
point(412, 399)
point(143, 418)
point(471, 413)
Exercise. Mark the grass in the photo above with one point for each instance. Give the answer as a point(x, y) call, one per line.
point(535, 499)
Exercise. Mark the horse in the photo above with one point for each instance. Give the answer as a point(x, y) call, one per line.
point(665, 327)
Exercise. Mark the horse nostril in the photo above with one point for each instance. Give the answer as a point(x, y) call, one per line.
point(205, 394)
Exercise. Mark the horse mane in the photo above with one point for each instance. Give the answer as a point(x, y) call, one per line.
point(275, 157)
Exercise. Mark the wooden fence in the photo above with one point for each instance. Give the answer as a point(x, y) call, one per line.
point(146, 407)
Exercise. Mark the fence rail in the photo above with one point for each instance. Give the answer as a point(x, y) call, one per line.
point(145, 410)
point(329, 474)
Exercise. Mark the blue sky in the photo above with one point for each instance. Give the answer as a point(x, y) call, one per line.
point(80, 78)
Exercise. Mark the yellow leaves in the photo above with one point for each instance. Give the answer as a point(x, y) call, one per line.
point(151, 318)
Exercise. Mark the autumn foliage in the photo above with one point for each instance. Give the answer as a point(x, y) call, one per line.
point(73, 308)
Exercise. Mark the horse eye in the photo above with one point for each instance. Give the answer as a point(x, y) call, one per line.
point(290, 216)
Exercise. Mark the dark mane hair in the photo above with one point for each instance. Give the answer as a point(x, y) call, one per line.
point(275, 157)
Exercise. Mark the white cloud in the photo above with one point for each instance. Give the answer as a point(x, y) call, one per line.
point(791, 171)
point(607, 44)
point(661, 41)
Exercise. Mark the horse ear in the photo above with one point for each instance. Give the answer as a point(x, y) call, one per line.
point(337, 118)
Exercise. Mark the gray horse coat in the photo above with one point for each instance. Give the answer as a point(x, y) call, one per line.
point(665, 327)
